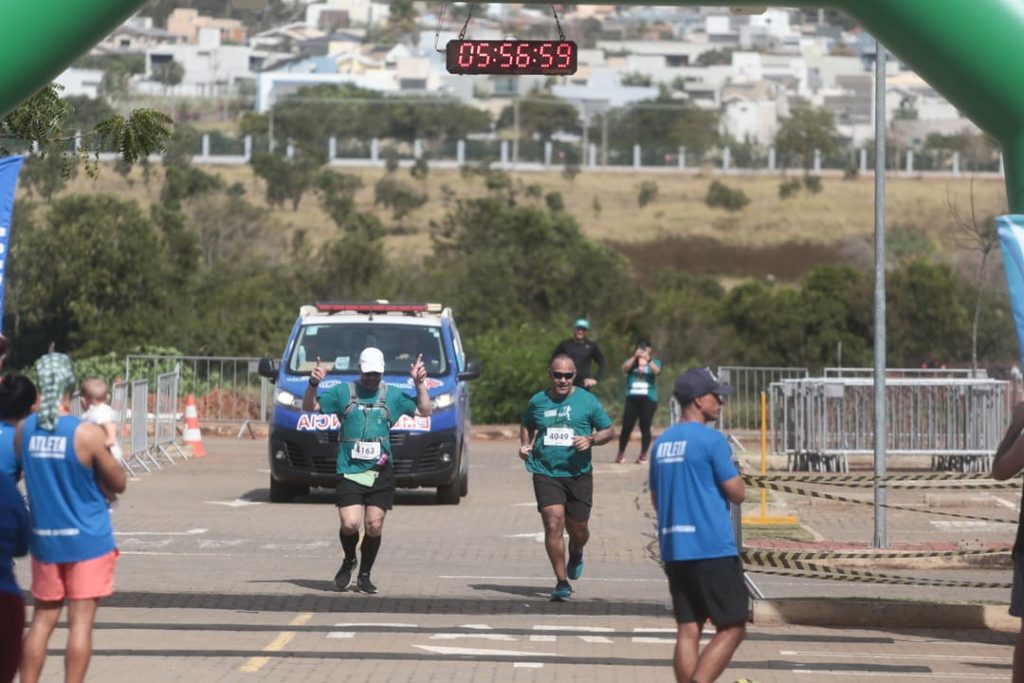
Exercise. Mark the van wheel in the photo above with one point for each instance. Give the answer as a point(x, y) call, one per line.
point(449, 494)
point(280, 492)
point(464, 484)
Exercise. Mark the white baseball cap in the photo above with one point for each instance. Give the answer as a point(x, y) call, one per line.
point(371, 360)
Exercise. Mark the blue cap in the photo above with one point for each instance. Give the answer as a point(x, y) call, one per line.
point(582, 322)
point(697, 382)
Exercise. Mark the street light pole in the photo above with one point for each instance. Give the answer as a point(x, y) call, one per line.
point(881, 426)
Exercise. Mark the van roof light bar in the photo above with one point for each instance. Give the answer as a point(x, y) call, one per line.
point(375, 307)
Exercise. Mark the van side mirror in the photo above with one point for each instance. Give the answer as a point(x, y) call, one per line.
point(267, 368)
point(472, 371)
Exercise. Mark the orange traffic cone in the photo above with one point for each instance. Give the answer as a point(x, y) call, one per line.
point(193, 436)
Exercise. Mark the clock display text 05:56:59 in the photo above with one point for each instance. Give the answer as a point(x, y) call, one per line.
point(513, 57)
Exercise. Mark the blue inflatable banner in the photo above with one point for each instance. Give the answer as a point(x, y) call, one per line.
point(9, 167)
point(1011, 238)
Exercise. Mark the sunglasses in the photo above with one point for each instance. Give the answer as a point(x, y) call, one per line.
point(562, 375)
point(372, 374)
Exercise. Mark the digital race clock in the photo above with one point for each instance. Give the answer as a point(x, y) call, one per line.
point(512, 57)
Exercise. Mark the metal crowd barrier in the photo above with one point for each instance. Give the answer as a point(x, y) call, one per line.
point(742, 410)
point(118, 403)
point(956, 422)
point(228, 389)
point(165, 430)
point(139, 423)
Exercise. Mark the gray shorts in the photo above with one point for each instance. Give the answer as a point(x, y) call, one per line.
point(1017, 592)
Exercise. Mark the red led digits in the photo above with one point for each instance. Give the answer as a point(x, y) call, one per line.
point(546, 58)
point(465, 55)
point(565, 51)
point(483, 51)
point(522, 56)
point(511, 57)
point(506, 60)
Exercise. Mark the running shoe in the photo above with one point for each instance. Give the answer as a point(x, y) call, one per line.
point(620, 458)
point(562, 592)
point(575, 566)
point(344, 575)
point(642, 460)
point(364, 585)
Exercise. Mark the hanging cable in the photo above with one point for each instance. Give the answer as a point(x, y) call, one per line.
point(561, 33)
point(437, 31)
point(469, 14)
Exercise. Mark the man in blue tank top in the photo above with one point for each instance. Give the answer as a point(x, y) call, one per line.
point(692, 481)
point(70, 475)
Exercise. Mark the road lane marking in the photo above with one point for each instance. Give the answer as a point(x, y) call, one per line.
point(882, 655)
point(1002, 501)
point(236, 503)
point(190, 532)
point(276, 645)
point(528, 665)
point(481, 652)
point(479, 636)
point(545, 579)
point(892, 675)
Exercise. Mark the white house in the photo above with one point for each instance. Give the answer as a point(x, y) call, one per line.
point(81, 82)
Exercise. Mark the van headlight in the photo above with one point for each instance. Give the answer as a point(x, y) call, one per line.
point(442, 401)
point(287, 399)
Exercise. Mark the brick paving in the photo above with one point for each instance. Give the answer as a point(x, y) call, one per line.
point(216, 584)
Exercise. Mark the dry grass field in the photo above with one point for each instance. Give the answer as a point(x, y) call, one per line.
point(605, 204)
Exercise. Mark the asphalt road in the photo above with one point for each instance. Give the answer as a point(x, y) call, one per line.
point(217, 584)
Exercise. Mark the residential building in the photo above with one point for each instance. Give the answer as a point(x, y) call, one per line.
point(189, 22)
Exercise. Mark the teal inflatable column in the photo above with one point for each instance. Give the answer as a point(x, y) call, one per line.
point(968, 50)
point(40, 38)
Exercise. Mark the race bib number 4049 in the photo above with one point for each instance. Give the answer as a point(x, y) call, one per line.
point(558, 436)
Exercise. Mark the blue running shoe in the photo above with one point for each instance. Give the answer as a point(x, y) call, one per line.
point(562, 592)
point(575, 566)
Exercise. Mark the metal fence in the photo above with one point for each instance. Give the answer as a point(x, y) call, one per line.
point(227, 388)
point(956, 422)
point(743, 408)
point(165, 428)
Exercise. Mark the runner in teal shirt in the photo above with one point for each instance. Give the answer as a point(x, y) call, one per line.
point(559, 428)
point(642, 370)
point(366, 409)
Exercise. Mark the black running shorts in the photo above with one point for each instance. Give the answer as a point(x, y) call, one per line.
point(708, 589)
point(575, 493)
point(381, 494)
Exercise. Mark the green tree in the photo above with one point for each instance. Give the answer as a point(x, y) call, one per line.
point(337, 194)
point(170, 73)
point(403, 21)
point(287, 180)
point(399, 196)
point(109, 292)
point(715, 57)
point(47, 173)
point(498, 262)
point(663, 123)
point(805, 130)
point(927, 314)
point(43, 119)
point(541, 115)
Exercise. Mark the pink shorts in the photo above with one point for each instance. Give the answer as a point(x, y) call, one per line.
point(84, 580)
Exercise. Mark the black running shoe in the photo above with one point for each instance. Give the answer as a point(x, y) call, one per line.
point(364, 585)
point(344, 575)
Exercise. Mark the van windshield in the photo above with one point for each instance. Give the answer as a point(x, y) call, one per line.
point(339, 346)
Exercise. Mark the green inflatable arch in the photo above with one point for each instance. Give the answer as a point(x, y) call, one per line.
point(966, 49)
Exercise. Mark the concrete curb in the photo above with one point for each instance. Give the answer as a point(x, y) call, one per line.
point(889, 614)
